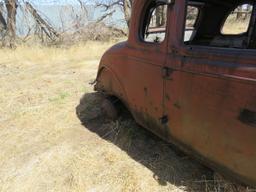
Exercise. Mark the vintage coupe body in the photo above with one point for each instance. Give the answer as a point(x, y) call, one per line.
point(190, 81)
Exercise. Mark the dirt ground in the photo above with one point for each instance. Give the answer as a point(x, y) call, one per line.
point(53, 136)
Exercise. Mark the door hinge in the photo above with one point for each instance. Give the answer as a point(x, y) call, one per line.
point(166, 73)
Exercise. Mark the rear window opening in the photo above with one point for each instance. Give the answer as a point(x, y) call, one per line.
point(154, 24)
point(191, 20)
point(228, 24)
point(238, 20)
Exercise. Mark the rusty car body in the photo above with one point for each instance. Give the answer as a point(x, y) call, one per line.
point(198, 92)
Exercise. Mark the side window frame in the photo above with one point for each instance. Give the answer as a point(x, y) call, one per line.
point(226, 17)
point(199, 6)
point(190, 49)
point(252, 28)
point(143, 25)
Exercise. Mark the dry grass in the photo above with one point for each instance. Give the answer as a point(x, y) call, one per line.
point(234, 26)
point(44, 147)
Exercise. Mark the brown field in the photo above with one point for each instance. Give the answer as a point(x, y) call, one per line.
point(232, 26)
point(44, 146)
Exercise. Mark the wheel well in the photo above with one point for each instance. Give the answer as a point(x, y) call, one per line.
point(119, 104)
point(108, 82)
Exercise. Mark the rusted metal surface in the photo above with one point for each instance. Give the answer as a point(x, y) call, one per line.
point(201, 98)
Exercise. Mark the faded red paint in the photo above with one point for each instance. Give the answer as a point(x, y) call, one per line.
point(205, 99)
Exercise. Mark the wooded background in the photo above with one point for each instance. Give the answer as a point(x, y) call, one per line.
point(81, 29)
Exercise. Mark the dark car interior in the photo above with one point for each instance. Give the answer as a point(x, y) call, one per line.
point(208, 28)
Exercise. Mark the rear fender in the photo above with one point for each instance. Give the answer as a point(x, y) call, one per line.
point(108, 82)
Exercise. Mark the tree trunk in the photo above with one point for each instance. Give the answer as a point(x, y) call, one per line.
point(3, 24)
point(11, 6)
point(239, 13)
point(127, 7)
point(160, 16)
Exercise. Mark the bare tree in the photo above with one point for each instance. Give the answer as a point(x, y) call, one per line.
point(126, 6)
point(11, 7)
point(239, 13)
point(43, 26)
point(160, 16)
point(3, 24)
point(82, 4)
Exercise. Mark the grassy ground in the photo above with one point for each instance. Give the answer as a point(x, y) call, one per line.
point(232, 26)
point(44, 97)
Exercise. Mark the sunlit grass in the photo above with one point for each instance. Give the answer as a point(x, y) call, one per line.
point(44, 147)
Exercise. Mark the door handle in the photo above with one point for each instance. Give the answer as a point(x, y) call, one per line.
point(248, 117)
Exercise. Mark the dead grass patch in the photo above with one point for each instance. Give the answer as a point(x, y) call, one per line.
point(44, 147)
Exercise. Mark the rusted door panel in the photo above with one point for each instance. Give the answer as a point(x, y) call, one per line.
point(208, 107)
point(208, 94)
point(141, 73)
